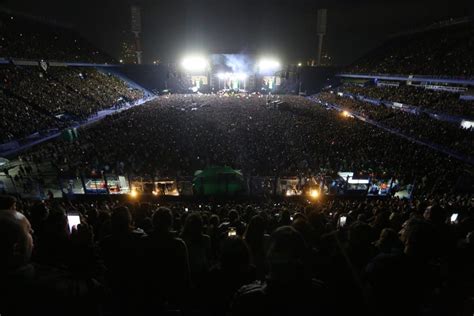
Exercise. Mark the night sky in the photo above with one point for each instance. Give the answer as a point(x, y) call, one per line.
point(283, 28)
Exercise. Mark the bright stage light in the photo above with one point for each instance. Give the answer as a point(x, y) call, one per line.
point(232, 76)
point(314, 194)
point(346, 114)
point(195, 63)
point(267, 64)
point(134, 194)
point(241, 76)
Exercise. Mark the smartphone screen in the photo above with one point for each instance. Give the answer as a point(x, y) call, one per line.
point(232, 232)
point(454, 218)
point(186, 209)
point(342, 221)
point(73, 220)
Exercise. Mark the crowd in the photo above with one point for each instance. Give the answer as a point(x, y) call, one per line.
point(21, 120)
point(28, 38)
point(421, 126)
point(179, 134)
point(43, 100)
point(443, 102)
point(388, 257)
point(438, 52)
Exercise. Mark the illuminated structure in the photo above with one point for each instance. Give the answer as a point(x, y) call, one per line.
point(136, 24)
point(321, 31)
point(236, 72)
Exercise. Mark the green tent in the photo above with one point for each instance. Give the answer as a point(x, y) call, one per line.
point(218, 181)
point(70, 134)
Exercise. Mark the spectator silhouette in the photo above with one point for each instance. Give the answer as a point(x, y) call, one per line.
point(232, 272)
point(289, 289)
point(257, 241)
point(121, 257)
point(165, 266)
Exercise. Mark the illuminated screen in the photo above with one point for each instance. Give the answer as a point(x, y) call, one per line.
point(233, 63)
point(380, 187)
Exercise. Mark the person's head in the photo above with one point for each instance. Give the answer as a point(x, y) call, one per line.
point(214, 220)
point(418, 238)
point(304, 228)
point(287, 255)
point(382, 219)
point(255, 229)
point(38, 213)
point(233, 216)
point(163, 219)
point(121, 220)
point(359, 234)
point(234, 253)
point(16, 242)
point(7, 202)
point(435, 214)
point(285, 216)
point(193, 225)
point(388, 240)
point(55, 227)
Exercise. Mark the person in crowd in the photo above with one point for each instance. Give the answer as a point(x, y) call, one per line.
point(121, 257)
point(166, 266)
point(257, 241)
point(233, 223)
point(289, 289)
point(27, 288)
point(7, 202)
point(233, 270)
point(198, 245)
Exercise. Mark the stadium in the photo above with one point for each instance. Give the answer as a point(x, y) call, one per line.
point(236, 180)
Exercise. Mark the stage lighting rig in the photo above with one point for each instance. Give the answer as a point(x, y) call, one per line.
point(268, 64)
point(195, 63)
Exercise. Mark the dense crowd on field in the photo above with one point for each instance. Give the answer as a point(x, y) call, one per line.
point(36, 100)
point(179, 134)
point(121, 256)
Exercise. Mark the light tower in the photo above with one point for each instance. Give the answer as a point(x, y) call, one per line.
point(321, 31)
point(136, 24)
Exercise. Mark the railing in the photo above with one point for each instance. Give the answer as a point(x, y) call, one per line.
point(404, 77)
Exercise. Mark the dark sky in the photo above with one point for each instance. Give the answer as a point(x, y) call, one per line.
point(283, 28)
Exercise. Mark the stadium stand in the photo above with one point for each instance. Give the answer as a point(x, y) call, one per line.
point(122, 255)
point(438, 101)
point(48, 41)
point(420, 126)
point(444, 51)
point(59, 94)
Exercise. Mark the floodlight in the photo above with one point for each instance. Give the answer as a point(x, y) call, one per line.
point(267, 64)
point(241, 76)
point(346, 114)
point(314, 194)
point(195, 63)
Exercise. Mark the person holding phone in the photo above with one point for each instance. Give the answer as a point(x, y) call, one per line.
point(289, 288)
point(28, 288)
